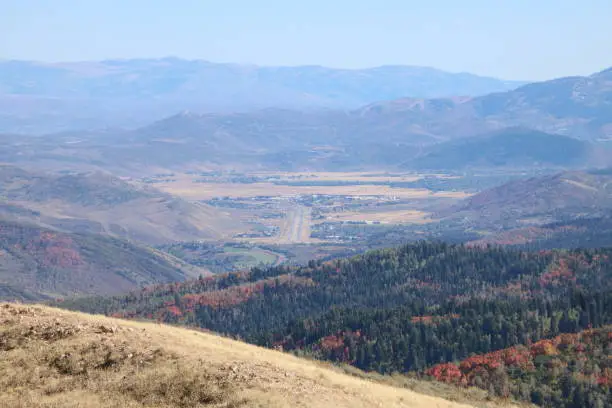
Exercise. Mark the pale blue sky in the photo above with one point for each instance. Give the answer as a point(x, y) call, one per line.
point(512, 39)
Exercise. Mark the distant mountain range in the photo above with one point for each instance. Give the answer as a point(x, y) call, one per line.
point(521, 127)
point(574, 106)
point(42, 97)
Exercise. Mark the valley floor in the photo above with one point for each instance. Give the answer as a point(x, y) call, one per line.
point(55, 358)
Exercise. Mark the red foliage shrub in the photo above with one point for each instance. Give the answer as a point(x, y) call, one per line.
point(558, 273)
point(577, 347)
point(331, 342)
point(447, 372)
point(545, 347)
point(174, 311)
point(237, 294)
point(335, 344)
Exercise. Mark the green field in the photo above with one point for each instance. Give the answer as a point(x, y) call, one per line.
point(251, 256)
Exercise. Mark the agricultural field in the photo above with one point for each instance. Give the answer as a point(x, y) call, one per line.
point(283, 208)
point(211, 185)
point(206, 191)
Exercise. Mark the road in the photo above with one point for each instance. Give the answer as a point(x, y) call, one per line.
point(297, 225)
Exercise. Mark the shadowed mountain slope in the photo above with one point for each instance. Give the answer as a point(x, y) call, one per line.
point(537, 200)
point(37, 263)
point(513, 147)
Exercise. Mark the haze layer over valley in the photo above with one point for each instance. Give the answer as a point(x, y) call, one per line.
point(230, 190)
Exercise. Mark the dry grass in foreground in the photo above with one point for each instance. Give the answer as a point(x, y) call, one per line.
point(55, 358)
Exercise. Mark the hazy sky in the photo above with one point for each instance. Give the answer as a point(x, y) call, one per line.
point(513, 39)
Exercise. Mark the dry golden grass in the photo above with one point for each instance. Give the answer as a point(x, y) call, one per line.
point(55, 358)
point(185, 186)
point(466, 395)
point(188, 189)
point(149, 220)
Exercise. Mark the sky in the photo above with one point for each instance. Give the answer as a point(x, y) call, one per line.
point(510, 39)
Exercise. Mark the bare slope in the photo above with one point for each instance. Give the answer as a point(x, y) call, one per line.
point(51, 358)
point(99, 202)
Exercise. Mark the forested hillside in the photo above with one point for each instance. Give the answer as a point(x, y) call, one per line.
point(592, 232)
point(38, 263)
point(394, 310)
point(570, 370)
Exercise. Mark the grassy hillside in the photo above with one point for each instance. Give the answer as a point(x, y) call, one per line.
point(379, 307)
point(37, 263)
point(98, 202)
point(513, 147)
point(58, 358)
point(537, 200)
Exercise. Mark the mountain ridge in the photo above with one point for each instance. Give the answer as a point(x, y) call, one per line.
point(25, 89)
point(99, 202)
point(536, 200)
point(381, 134)
point(511, 147)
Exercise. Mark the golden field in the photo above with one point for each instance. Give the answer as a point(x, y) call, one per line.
point(185, 186)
